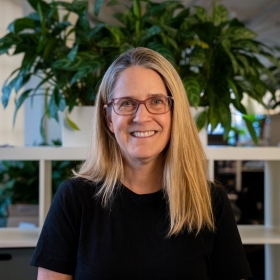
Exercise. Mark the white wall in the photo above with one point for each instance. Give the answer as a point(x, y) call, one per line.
point(8, 134)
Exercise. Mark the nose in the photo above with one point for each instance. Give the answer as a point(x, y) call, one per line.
point(142, 114)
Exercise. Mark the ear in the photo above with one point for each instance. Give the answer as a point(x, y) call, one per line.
point(108, 118)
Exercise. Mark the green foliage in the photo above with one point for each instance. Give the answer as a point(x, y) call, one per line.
point(19, 181)
point(217, 58)
point(221, 62)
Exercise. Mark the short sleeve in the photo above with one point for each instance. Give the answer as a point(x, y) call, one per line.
point(57, 245)
point(228, 257)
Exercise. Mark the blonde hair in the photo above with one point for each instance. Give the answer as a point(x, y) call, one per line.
point(185, 170)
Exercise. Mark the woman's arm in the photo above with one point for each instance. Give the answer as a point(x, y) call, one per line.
point(45, 274)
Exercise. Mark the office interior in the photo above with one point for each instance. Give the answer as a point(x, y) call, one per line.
point(244, 180)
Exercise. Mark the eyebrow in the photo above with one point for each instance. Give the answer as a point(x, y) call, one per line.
point(149, 95)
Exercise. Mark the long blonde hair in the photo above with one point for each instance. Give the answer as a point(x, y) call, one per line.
point(185, 170)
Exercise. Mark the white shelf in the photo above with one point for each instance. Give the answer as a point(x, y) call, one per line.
point(243, 153)
point(80, 153)
point(269, 234)
point(250, 234)
point(44, 153)
point(18, 237)
point(257, 234)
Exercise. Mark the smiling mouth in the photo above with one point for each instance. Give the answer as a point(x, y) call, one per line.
point(143, 134)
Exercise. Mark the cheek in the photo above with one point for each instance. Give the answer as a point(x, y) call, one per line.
point(167, 124)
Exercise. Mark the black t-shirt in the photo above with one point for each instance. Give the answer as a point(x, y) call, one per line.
point(128, 240)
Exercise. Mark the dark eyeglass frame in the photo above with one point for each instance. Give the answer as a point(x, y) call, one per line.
point(170, 101)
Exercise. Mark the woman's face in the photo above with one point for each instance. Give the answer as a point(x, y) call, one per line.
point(141, 136)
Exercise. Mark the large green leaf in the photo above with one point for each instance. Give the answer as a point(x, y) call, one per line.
point(213, 117)
point(220, 14)
point(97, 6)
point(59, 27)
point(21, 24)
point(250, 128)
point(6, 92)
point(9, 41)
point(137, 8)
point(224, 116)
point(85, 71)
point(4, 48)
point(117, 33)
point(53, 108)
point(72, 54)
point(201, 120)
point(201, 14)
point(159, 9)
point(233, 87)
point(72, 124)
point(76, 6)
point(49, 48)
point(197, 56)
point(227, 47)
point(20, 101)
point(36, 3)
point(151, 32)
point(163, 50)
point(246, 45)
point(240, 33)
point(193, 90)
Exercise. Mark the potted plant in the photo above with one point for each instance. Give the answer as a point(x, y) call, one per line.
point(221, 62)
point(216, 57)
point(19, 189)
point(69, 58)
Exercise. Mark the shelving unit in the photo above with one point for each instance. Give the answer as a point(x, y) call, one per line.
point(268, 234)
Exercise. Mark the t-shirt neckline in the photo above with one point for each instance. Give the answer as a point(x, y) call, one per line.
point(143, 197)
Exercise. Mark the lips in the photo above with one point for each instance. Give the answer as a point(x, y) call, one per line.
point(143, 133)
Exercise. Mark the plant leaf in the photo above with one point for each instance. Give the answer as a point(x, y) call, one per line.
point(19, 102)
point(193, 90)
point(197, 56)
point(201, 14)
point(72, 54)
point(240, 33)
point(251, 129)
point(97, 7)
point(234, 89)
point(227, 47)
point(71, 124)
point(220, 14)
point(53, 109)
point(201, 120)
point(34, 4)
point(151, 32)
point(21, 24)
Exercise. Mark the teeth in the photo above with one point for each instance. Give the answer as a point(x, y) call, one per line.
point(143, 134)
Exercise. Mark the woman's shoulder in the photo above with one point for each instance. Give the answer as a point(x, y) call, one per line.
point(78, 186)
point(217, 191)
point(219, 198)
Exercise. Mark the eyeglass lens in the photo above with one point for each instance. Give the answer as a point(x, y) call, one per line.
point(155, 105)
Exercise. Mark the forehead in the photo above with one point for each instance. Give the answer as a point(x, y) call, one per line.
point(138, 82)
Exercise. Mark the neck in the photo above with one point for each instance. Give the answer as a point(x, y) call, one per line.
point(144, 178)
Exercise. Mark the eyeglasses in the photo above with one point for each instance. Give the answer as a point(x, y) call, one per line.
point(159, 104)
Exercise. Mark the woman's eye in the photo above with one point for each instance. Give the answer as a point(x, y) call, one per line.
point(157, 101)
point(127, 103)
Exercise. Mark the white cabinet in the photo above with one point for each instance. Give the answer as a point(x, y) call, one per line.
point(268, 234)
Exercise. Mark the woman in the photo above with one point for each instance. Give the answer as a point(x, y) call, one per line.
point(141, 206)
